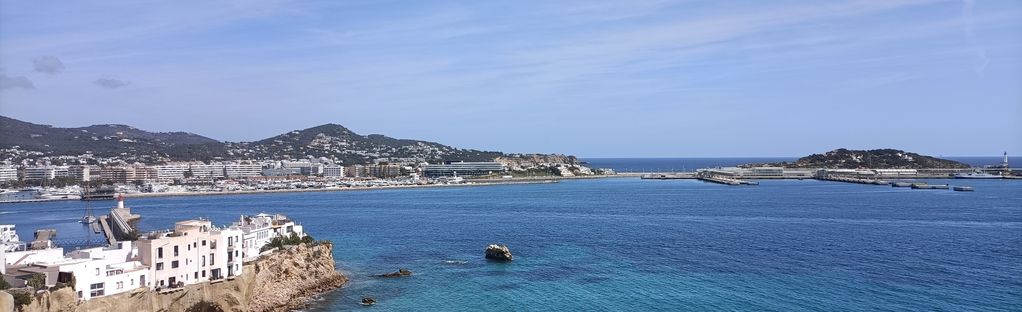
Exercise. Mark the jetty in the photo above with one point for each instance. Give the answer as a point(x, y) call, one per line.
point(726, 180)
point(668, 176)
point(854, 180)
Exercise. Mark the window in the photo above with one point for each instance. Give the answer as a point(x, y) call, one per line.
point(203, 261)
point(203, 273)
point(196, 275)
point(204, 242)
point(159, 253)
point(175, 251)
point(159, 266)
point(211, 259)
point(173, 264)
point(189, 246)
point(97, 271)
point(120, 285)
point(96, 289)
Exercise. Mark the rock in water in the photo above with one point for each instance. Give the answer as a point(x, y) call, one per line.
point(367, 301)
point(498, 252)
point(399, 273)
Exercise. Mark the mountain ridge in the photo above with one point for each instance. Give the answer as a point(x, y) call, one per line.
point(330, 140)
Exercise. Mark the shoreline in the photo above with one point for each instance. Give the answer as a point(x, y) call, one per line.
point(470, 183)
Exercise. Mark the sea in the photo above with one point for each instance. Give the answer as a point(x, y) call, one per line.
point(626, 244)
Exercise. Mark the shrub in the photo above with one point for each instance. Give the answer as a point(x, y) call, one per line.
point(21, 297)
point(36, 281)
point(281, 241)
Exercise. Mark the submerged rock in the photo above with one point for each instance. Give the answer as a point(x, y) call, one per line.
point(498, 252)
point(400, 273)
point(367, 301)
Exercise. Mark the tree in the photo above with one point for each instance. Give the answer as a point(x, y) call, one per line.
point(37, 281)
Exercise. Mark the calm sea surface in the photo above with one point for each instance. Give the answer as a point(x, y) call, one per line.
point(625, 244)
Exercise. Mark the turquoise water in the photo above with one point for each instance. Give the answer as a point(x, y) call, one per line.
point(637, 245)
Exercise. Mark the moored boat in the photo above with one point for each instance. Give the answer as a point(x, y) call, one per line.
point(976, 175)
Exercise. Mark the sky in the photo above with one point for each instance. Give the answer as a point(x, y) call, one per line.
point(590, 78)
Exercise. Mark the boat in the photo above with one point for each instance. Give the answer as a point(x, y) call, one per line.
point(9, 240)
point(901, 184)
point(59, 195)
point(924, 186)
point(105, 192)
point(963, 189)
point(976, 175)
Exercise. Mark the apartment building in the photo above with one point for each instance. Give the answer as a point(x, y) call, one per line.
point(195, 251)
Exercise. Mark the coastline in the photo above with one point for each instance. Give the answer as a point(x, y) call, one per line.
point(469, 183)
point(356, 188)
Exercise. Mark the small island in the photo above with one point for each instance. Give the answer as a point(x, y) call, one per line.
point(878, 159)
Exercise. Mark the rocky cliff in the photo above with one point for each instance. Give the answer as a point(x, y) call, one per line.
point(282, 281)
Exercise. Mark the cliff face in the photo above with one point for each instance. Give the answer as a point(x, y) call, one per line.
point(282, 281)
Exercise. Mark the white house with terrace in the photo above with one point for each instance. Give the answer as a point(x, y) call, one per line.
point(258, 230)
point(195, 251)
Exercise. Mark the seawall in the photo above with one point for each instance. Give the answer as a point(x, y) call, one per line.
point(282, 281)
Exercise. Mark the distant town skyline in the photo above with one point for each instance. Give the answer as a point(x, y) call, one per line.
point(626, 79)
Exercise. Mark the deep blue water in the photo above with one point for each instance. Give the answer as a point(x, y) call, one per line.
point(675, 164)
point(637, 245)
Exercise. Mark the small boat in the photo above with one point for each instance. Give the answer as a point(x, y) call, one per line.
point(976, 175)
point(963, 189)
point(88, 220)
point(901, 184)
point(924, 186)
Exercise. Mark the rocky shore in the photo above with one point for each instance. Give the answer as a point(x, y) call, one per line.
point(282, 281)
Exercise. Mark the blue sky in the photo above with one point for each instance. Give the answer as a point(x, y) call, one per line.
point(590, 78)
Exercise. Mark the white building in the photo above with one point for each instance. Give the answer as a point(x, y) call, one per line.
point(333, 171)
point(207, 171)
point(61, 172)
point(194, 252)
point(171, 172)
point(242, 170)
point(8, 174)
point(103, 271)
point(39, 173)
point(260, 229)
point(80, 173)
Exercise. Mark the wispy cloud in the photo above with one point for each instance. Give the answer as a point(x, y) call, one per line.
point(48, 65)
point(15, 82)
point(982, 60)
point(110, 82)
